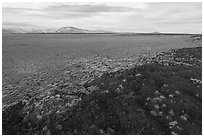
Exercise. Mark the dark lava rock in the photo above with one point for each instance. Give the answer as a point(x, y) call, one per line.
point(162, 96)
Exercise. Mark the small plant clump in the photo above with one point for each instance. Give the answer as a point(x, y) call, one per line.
point(161, 95)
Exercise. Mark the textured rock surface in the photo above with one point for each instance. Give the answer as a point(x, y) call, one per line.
point(157, 95)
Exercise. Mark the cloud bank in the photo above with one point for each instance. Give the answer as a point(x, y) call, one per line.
point(134, 17)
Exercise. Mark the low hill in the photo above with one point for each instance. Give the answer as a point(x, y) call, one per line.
point(78, 30)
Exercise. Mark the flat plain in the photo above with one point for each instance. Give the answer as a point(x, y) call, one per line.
point(25, 55)
point(30, 53)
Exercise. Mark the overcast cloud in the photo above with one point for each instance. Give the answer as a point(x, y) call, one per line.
point(134, 17)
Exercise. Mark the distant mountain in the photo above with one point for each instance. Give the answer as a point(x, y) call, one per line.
point(70, 29)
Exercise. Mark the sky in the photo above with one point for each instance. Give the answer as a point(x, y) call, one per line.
point(121, 17)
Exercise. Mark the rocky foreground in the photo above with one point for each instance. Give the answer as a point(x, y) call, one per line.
point(97, 95)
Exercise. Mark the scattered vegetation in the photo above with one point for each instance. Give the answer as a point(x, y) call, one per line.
point(159, 95)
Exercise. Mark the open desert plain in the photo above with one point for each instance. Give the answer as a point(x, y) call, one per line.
point(73, 81)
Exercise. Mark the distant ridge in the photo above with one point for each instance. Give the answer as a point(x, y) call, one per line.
point(72, 29)
point(11, 30)
point(68, 30)
point(75, 30)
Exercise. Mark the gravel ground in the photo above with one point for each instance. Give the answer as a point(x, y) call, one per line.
point(147, 94)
